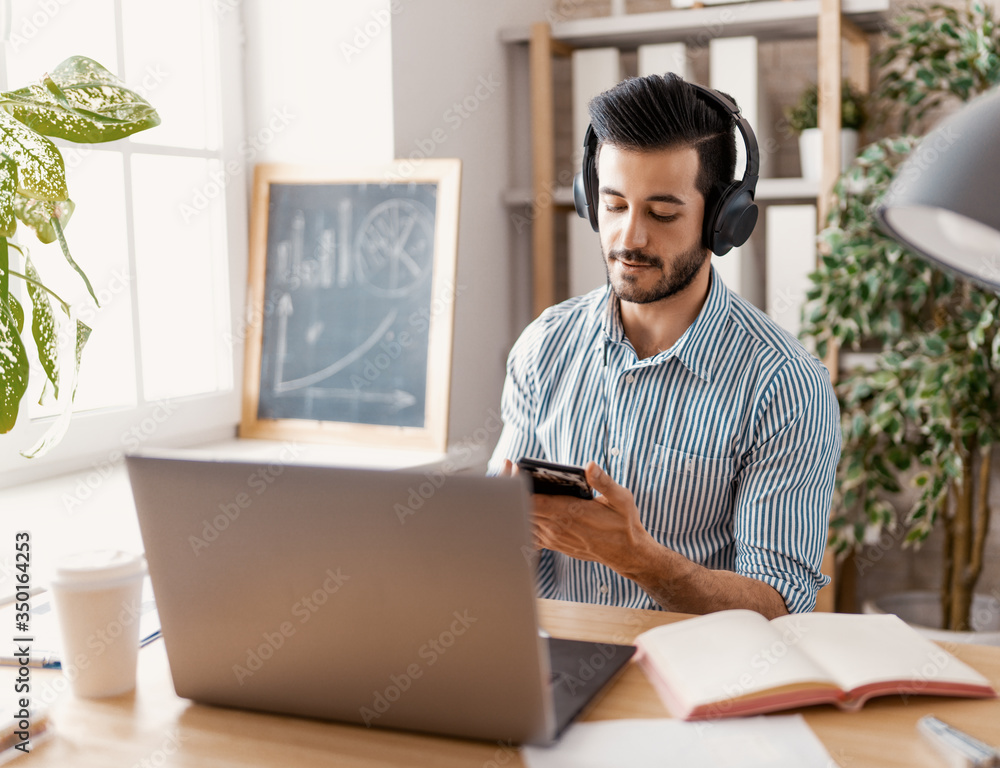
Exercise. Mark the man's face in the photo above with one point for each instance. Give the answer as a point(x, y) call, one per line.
point(650, 215)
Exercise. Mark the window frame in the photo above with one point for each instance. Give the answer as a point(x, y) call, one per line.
point(98, 440)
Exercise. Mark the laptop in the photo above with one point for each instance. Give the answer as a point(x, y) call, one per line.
point(388, 599)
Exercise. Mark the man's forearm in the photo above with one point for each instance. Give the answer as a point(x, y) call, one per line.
point(678, 584)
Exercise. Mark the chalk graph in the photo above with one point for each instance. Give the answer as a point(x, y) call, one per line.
point(345, 270)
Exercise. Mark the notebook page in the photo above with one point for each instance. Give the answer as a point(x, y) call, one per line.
point(781, 741)
point(862, 649)
point(728, 655)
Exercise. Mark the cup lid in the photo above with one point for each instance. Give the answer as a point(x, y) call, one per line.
point(100, 565)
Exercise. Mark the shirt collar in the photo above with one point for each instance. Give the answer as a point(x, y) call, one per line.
point(696, 348)
point(612, 320)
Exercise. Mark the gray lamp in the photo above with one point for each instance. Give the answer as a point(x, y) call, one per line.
point(945, 201)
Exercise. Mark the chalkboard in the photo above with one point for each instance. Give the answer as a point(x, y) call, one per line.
point(352, 287)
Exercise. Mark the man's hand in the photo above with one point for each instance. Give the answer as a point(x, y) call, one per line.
point(606, 530)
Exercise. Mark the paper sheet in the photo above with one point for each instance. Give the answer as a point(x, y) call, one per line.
point(783, 741)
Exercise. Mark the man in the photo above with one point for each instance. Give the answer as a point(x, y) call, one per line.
point(710, 434)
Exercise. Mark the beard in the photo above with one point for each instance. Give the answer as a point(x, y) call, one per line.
point(676, 278)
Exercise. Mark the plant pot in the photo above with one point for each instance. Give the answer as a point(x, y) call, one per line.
point(922, 611)
point(811, 151)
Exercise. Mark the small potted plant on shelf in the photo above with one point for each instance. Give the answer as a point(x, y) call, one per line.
point(918, 428)
point(79, 101)
point(803, 119)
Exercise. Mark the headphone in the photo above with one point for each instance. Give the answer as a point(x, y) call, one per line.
point(730, 210)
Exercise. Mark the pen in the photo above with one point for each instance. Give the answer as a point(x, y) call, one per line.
point(959, 749)
point(51, 660)
point(43, 660)
point(12, 596)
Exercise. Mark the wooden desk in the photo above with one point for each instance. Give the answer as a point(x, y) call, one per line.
point(153, 727)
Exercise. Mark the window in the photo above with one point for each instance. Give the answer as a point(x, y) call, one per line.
point(159, 228)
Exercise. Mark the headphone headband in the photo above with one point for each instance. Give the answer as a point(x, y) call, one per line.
point(730, 212)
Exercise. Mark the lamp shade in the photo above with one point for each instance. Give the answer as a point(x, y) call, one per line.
point(945, 201)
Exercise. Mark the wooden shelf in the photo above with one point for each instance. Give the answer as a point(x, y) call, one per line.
point(768, 190)
point(561, 196)
point(766, 20)
point(788, 190)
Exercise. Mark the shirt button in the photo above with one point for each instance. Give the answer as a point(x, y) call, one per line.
point(615, 451)
point(629, 379)
point(604, 589)
point(690, 465)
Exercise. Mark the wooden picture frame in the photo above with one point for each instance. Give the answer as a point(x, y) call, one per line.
point(350, 305)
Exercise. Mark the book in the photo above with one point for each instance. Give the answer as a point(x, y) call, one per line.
point(737, 662)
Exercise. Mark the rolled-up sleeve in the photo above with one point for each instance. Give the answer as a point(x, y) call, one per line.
point(785, 484)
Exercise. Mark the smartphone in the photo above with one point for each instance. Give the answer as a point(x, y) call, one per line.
point(556, 479)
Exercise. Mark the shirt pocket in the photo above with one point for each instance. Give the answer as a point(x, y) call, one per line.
point(690, 493)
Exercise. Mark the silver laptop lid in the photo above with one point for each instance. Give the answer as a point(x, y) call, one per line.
point(383, 598)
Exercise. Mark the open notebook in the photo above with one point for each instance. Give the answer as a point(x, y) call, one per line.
point(738, 663)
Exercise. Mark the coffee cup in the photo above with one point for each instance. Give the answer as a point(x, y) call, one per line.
point(98, 599)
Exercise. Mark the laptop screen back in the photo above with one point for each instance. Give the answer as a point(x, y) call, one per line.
point(382, 598)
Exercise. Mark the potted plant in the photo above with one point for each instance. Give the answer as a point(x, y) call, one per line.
point(79, 101)
point(926, 416)
point(803, 119)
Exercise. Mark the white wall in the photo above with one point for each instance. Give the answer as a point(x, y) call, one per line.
point(321, 72)
point(451, 81)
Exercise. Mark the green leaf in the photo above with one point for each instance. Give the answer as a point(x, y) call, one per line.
point(43, 327)
point(934, 345)
point(969, 425)
point(38, 214)
point(83, 102)
point(4, 271)
point(41, 173)
point(8, 189)
point(60, 424)
point(13, 368)
point(963, 85)
point(899, 457)
point(17, 311)
point(54, 221)
point(82, 335)
point(854, 474)
point(949, 30)
point(42, 287)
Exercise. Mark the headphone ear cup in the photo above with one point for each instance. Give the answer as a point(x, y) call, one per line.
point(741, 219)
point(713, 207)
point(585, 182)
point(581, 200)
point(731, 219)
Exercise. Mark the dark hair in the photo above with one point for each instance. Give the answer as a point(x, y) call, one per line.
point(664, 111)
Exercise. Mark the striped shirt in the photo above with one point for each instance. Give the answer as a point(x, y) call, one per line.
point(728, 441)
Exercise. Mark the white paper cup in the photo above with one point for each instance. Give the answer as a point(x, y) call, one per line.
point(98, 599)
